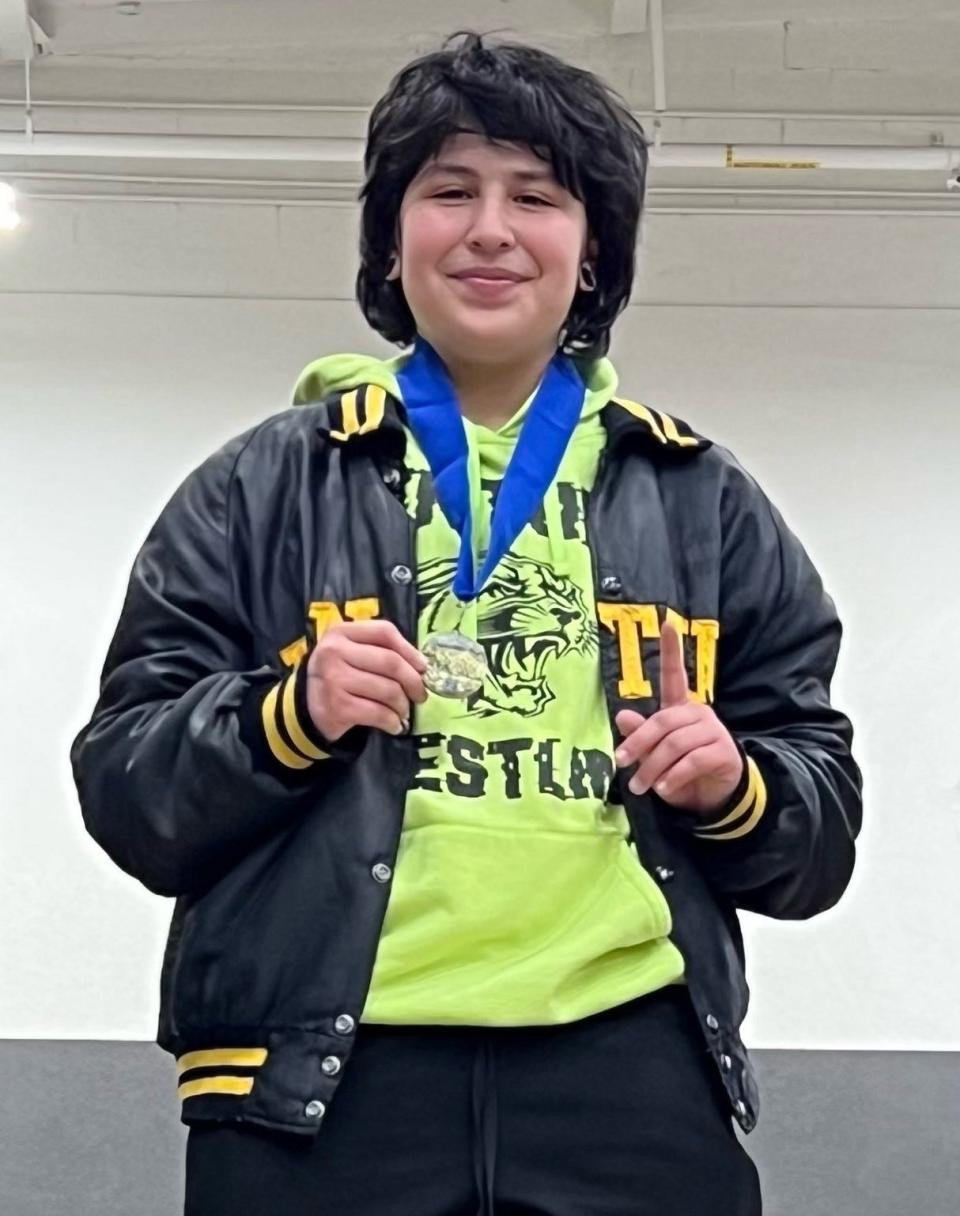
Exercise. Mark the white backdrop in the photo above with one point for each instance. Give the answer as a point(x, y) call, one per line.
point(753, 329)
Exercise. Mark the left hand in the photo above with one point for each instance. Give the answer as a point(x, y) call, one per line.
point(684, 751)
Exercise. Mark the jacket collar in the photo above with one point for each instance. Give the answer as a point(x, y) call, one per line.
point(360, 416)
point(369, 414)
point(630, 423)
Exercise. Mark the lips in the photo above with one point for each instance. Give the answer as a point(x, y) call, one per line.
point(488, 291)
point(490, 274)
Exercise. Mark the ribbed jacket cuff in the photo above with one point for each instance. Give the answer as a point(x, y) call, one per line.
point(742, 812)
point(276, 725)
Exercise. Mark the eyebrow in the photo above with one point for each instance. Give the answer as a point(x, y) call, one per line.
point(526, 175)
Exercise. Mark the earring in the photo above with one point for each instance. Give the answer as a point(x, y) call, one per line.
point(588, 279)
point(393, 269)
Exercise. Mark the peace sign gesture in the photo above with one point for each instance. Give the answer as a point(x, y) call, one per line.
point(684, 751)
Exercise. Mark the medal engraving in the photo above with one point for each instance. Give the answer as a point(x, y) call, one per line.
point(456, 665)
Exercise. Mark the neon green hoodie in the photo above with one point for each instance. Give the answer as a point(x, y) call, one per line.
point(517, 899)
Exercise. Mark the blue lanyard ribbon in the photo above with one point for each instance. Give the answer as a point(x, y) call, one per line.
point(437, 424)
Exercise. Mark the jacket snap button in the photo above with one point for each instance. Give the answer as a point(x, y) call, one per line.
point(331, 1066)
point(712, 1022)
point(611, 584)
point(740, 1107)
point(391, 478)
point(381, 872)
point(401, 575)
point(664, 873)
point(726, 1063)
point(314, 1110)
point(344, 1024)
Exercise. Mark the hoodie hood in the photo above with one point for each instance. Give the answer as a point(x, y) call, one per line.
point(338, 373)
point(489, 451)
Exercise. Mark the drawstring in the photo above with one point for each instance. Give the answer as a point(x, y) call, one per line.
point(484, 1125)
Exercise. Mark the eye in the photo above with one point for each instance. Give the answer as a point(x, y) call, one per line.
point(457, 191)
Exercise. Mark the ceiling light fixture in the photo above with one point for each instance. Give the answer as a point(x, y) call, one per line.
point(9, 217)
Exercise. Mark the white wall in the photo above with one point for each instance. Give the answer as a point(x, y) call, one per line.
point(801, 343)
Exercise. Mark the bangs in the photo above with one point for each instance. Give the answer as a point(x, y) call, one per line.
point(508, 113)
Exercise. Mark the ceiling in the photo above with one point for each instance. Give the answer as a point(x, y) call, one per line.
point(171, 74)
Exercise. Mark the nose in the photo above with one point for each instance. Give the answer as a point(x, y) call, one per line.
point(489, 229)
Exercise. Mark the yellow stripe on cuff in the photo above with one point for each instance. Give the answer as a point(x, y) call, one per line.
point(283, 753)
point(755, 817)
point(238, 1086)
point(222, 1057)
point(292, 723)
point(753, 774)
point(756, 794)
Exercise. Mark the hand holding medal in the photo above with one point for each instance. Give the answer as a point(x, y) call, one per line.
point(363, 673)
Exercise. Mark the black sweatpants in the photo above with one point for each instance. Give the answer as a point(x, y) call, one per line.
point(621, 1114)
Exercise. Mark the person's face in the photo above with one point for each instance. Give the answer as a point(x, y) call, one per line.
point(477, 210)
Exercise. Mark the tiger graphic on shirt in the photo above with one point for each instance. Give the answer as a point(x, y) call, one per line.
point(527, 618)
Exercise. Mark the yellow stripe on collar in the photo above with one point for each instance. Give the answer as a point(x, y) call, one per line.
point(661, 426)
point(374, 400)
point(361, 410)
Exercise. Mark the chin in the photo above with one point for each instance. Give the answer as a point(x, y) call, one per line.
point(502, 338)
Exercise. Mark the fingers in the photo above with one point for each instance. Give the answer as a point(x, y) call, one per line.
point(641, 741)
point(693, 767)
point(363, 673)
point(628, 720)
point(341, 697)
point(671, 753)
point(358, 711)
point(674, 689)
point(389, 665)
point(368, 687)
point(384, 634)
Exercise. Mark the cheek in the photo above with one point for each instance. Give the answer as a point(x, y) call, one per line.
point(558, 252)
point(427, 239)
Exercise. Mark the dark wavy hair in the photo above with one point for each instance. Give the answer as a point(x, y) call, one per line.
point(517, 94)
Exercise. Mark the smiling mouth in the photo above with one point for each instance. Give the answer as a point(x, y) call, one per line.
point(481, 288)
point(484, 278)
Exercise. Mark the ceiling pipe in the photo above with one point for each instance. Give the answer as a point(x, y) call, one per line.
point(349, 152)
point(327, 190)
point(363, 112)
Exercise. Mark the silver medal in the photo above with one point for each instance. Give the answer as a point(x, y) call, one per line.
point(456, 665)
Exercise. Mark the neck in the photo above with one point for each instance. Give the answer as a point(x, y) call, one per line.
point(490, 394)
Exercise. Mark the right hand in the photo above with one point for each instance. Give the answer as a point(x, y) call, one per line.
point(364, 673)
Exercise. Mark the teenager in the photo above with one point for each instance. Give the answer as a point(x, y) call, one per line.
point(461, 706)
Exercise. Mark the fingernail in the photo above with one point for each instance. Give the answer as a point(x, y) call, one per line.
point(662, 787)
point(621, 756)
